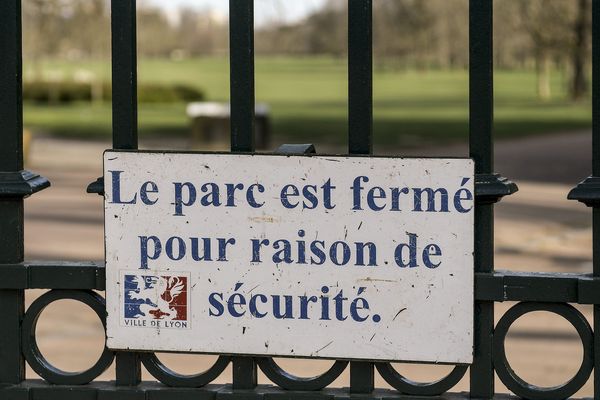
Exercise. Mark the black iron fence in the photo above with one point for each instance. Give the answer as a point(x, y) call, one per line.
point(80, 281)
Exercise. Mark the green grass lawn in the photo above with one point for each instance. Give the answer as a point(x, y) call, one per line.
point(308, 100)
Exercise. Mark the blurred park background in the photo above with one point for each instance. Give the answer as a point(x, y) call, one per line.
point(542, 126)
point(542, 50)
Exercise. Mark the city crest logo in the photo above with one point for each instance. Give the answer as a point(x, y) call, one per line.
point(155, 301)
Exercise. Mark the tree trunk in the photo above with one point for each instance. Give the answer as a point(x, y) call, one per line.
point(542, 66)
point(581, 31)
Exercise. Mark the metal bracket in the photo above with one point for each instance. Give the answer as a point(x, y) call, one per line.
point(296, 149)
point(96, 187)
point(587, 192)
point(490, 188)
point(587, 289)
point(21, 183)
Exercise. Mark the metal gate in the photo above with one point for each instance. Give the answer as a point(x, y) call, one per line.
point(78, 281)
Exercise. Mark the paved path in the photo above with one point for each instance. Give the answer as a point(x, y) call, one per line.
point(557, 158)
point(536, 230)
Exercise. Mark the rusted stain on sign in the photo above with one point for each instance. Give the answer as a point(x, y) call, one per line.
point(333, 257)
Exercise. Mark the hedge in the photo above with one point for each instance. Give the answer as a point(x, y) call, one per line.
point(69, 92)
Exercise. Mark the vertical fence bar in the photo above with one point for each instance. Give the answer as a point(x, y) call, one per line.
point(596, 173)
point(481, 84)
point(481, 109)
point(12, 365)
point(124, 74)
point(360, 125)
point(124, 112)
point(241, 39)
point(360, 76)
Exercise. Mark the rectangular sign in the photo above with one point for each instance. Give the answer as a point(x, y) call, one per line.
point(310, 256)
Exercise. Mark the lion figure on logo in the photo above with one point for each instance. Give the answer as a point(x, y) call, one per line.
point(157, 293)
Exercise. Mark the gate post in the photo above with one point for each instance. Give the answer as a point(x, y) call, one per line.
point(15, 184)
point(241, 38)
point(360, 127)
point(125, 124)
point(481, 94)
point(489, 187)
point(588, 192)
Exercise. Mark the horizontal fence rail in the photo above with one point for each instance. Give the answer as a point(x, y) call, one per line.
point(82, 281)
point(497, 286)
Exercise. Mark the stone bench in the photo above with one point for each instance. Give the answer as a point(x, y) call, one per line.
point(211, 124)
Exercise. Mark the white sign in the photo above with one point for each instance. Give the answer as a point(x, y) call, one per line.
point(312, 256)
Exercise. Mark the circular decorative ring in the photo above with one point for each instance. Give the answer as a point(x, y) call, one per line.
point(407, 386)
point(526, 390)
point(171, 378)
point(291, 382)
point(36, 359)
